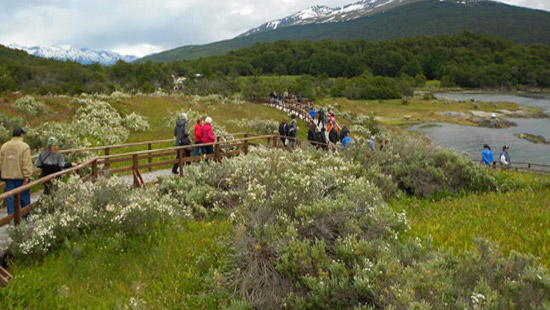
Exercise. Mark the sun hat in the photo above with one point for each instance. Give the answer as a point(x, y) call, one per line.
point(52, 141)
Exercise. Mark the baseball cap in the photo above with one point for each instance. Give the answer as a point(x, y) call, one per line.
point(17, 131)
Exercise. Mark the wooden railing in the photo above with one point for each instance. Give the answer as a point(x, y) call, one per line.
point(520, 166)
point(136, 162)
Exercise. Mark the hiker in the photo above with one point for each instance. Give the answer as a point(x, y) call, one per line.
point(347, 142)
point(16, 167)
point(181, 132)
point(283, 130)
point(505, 157)
point(333, 135)
point(384, 145)
point(487, 155)
point(311, 134)
point(332, 124)
point(51, 161)
point(321, 137)
point(272, 96)
point(198, 139)
point(344, 132)
point(321, 116)
point(312, 113)
point(372, 144)
point(280, 99)
point(285, 95)
point(207, 135)
point(299, 98)
point(331, 117)
point(293, 131)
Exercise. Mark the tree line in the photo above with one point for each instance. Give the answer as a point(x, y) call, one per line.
point(356, 69)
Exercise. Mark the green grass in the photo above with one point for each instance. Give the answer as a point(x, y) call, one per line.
point(514, 221)
point(174, 267)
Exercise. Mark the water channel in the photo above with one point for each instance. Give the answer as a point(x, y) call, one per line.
point(471, 139)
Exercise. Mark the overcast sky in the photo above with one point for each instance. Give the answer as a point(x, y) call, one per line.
point(141, 27)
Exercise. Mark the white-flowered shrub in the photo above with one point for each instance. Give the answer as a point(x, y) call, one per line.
point(5, 134)
point(29, 105)
point(102, 122)
point(260, 126)
point(136, 123)
point(107, 204)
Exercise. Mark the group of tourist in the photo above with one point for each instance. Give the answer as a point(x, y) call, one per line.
point(204, 134)
point(275, 97)
point(16, 165)
point(487, 157)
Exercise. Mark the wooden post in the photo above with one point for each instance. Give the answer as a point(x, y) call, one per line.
point(135, 168)
point(107, 161)
point(180, 161)
point(245, 148)
point(275, 140)
point(150, 157)
point(217, 151)
point(529, 166)
point(494, 164)
point(268, 141)
point(17, 209)
point(94, 170)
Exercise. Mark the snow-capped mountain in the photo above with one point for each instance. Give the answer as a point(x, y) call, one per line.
point(322, 14)
point(84, 56)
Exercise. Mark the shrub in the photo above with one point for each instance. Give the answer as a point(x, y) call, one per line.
point(29, 105)
point(136, 123)
point(108, 205)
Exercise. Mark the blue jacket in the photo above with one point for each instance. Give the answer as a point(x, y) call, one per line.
point(312, 113)
point(487, 157)
point(347, 142)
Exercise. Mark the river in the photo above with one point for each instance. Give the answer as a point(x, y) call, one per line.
point(471, 139)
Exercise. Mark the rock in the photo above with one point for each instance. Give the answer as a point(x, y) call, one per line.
point(533, 138)
point(493, 122)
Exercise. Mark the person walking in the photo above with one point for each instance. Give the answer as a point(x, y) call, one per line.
point(16, 167)
point(207, 135)
point(321, 115)
point(343, 133)
point(198, 138)
point(311, 134)
point(505, 157)
point(384, 145)
point(487, 155)
point(293, 131)
point(347, 141)
point(312, 113)
point(299, 98)
point(283, 131)
point(333, 135)
point(372, 143)
point(181, 132)
point(51, 161)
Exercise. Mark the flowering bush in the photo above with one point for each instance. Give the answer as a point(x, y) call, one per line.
point(136, 123)
point(99, 120)
point(107, 204)
point(261, 126)
point(5, 134)
point(29, 105)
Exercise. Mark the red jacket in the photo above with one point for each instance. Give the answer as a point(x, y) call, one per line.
point(198, 133)
point(207, 134)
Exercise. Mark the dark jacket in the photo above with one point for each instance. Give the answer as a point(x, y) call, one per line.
point(343, 133)
point(311, 135)
point(292, 128)
point(283, 129)
point(181, 132)
point(50, 162)
point(333, 136)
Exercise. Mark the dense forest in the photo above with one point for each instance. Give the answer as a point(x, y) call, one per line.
point(358, 69)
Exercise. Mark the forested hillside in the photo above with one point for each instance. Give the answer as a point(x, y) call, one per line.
point(419, 19)
point(357, 69)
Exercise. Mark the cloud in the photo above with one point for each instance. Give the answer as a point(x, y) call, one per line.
point(145, 26)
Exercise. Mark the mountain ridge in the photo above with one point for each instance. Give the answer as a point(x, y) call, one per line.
point(415, 19)
point(83, 56)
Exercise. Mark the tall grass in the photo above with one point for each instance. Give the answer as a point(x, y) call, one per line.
point(174, 267)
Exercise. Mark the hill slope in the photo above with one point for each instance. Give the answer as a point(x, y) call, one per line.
point(425, 18)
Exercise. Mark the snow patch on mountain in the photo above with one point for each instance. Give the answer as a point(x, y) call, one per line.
point(84, 56)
